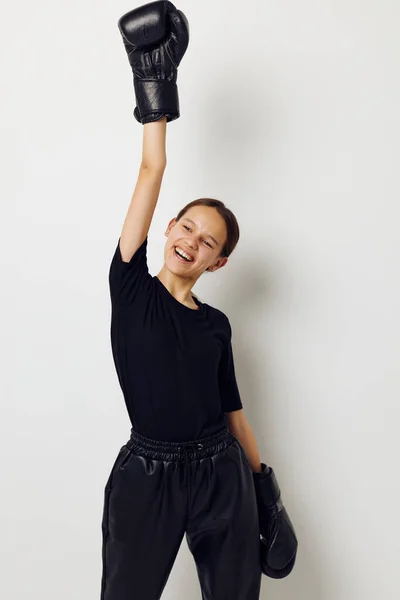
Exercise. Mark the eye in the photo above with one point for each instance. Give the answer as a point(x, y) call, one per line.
point(188, 228)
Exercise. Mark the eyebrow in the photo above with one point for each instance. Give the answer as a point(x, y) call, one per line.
point(213, 238)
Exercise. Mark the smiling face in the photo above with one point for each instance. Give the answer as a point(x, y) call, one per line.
point(200, 234)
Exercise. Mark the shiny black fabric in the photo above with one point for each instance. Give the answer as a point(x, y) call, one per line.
point(159, 491)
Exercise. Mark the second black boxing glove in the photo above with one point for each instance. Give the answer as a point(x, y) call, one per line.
point(278, 543)
point(155, 36)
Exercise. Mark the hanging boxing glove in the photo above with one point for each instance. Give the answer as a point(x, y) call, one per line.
point(155, 36)
point(278, 543)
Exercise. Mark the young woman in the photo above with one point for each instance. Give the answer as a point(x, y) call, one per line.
point(187, 467)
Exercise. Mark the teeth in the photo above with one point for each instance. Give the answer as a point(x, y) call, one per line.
point(183, 254)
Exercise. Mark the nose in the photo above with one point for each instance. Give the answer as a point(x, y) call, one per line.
point(190, 244)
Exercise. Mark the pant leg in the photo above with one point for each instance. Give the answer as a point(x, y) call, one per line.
point(223, 530)
point(144, 520)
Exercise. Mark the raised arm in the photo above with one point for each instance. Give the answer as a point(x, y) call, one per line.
point(144, 199)
point(155, 36)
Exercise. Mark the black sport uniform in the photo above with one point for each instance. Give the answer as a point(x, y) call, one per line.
point(181, 471)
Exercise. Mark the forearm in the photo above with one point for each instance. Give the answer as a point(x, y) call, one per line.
point(246, 437)
point(154, 141)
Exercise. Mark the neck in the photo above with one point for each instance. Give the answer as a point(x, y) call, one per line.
point(180, 288)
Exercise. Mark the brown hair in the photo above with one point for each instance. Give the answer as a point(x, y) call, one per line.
point(232, 226)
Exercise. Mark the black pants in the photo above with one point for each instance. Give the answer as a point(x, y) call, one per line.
point(159, 491)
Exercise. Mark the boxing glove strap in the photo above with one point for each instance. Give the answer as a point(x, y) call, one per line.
point(156, 96)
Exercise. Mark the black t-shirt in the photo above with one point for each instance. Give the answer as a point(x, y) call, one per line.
point(174, 363)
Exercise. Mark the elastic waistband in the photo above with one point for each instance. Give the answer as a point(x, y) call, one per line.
point(165, 450)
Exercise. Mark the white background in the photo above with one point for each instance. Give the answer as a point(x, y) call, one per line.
point(290, 115)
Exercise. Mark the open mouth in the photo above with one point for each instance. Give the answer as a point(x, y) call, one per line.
point(180, 257)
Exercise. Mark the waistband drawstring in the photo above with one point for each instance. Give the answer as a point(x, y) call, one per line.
point(186, 447)
point(186, 472)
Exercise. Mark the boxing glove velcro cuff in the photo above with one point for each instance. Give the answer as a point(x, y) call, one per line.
point(156, 96)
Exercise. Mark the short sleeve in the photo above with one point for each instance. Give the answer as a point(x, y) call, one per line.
point(128, 279)
point(229, 391)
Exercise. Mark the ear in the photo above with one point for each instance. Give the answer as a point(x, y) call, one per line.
point(170, 225)
point(220, 263)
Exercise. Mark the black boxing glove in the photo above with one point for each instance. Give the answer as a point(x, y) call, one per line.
point(278, 543)
point(155, 36)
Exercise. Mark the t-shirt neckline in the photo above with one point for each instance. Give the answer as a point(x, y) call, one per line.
point(175, 301)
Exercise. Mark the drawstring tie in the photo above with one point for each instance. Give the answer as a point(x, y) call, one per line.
point(186, 447)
